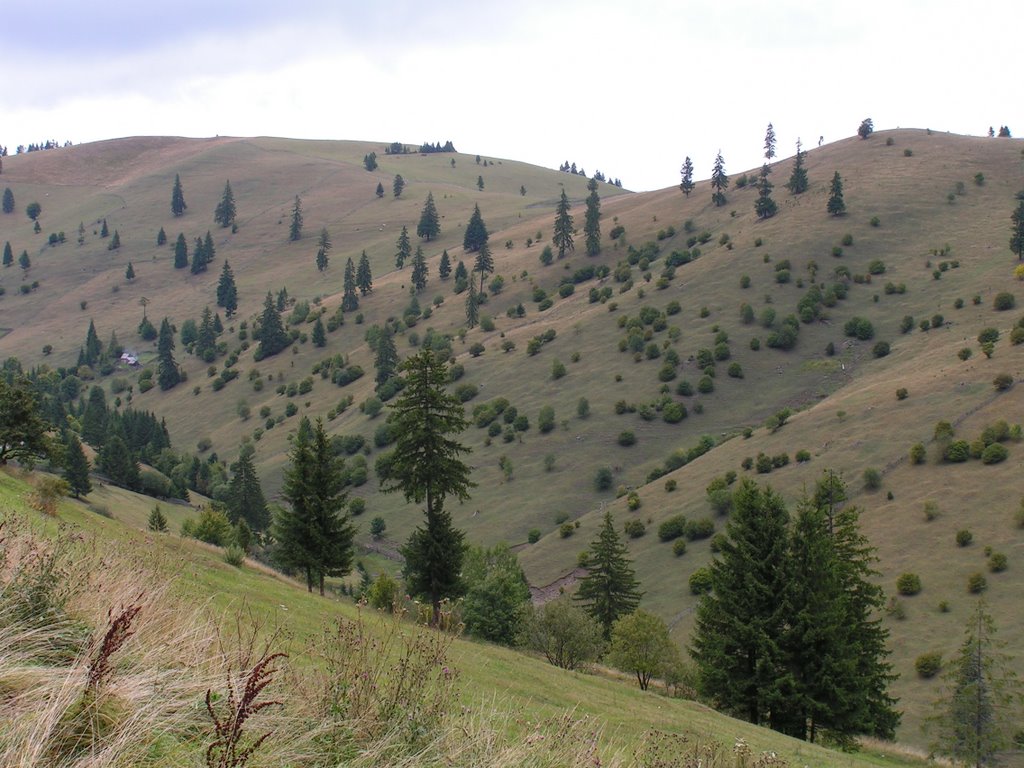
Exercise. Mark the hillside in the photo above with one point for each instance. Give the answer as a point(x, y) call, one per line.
point(934, 250)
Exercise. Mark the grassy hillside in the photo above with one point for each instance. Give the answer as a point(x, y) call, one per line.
point(846, 413)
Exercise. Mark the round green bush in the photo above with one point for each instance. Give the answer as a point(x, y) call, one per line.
point(626, 438)
point(976, 583)
point(872, 479)
point(633, 501)
point(881, 349)
point(908, 584)
point(603, 479)
point(994, 454)
point(700, 581)
point(679, 549)
point(997, 563)
point(533, 536)
point(635, 528)
point(1004, 301)
point(928, 664)
point(566, 530)
point(964, 537)
point(706, 385)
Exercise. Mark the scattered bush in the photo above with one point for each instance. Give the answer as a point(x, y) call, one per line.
point(1004, 301)
point(679, 549)
point(626, 438)
point(672, 528)
point(603, 479)
point(872, 479)
point(881, 349)
point(964, 537)
point(976, 583)
point(908, 584)
point(700, 581)
point(927, 665)
point(565, 530)
point(994, 454)
point(1002, 382)
point(635, 528)
point(533, 536)
point(997, 562)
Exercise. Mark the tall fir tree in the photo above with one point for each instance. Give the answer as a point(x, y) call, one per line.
point(349, 300)
point(719, 181)
point(319, 335)
point(8, 203)
point(385, 354)
point(118, 463)
point(206, 337)
point(419, 270)
point(562, 237)
point(380, 189)
point(161, 236)
point(403, 248)
point(8, 254)
point(93, 346)
point(769, 143)
point(364, 278)
point(245, 499)
point(209, 251)
point(427, 467)
point(178, 206)
point(76, 467)
point(686, 185)
point(444, 268)
point(592, 220)
point(94, 417)
point(476, 231)
point(483, 264)
point(398, 185)
point(271, 334)
point(461, 276)
point(798, 183)
point(198, 263)
point(295, 228)
point(1016, 232)
point(836, 206)
point(129, 272)
point(429, 226)
point(115, 241)
point(323, 248)
point(227, 292)
point(180, 252)
point(224, 213)
point(764, 206)
point(610, 589)
point(167, 373)
point(472, 307)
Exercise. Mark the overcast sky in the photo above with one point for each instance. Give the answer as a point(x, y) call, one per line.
point(628, 87)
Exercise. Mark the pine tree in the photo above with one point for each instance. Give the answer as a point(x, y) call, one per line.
point(117, 462)
point(430, 223)
point(24, 261)
point(81, 234)
point(364, 278)
point(1016, 234)
point(476, 232)
point(314, 534)
point(178, 206)
point(836, 206)
point(592, 220)
point(764, 206)
point(349, 300)
point(76, 467)
point(461, 276)
point(161, 236)
point(323, 248)
point(380, 189)
point(245, 500)
point(769, 143)
point(206, 338)
point(227, 292)
point(115, 241)
point(271, 334)
point(295, 229)
point(419, 270)
point(385, 354)
point(157, 522)
point(319, 335)
point(8, 254)
point(129, 272)
point(370, 161)
point(224, 213)
point(404, 248)
point(398, 185)
point(484, 263)
point(180, 252)
point(480, 183)
point(719, 181)
point(104, 229)
point(562, 237)
point(797, 183)
point(94, 418)
point(8, 204)
point(444, 269)
point(426, 466)
point(610, 589)
point(167, 372)
point(472, 307)
point(93, 346)
point(209, 252)
point(198, 263)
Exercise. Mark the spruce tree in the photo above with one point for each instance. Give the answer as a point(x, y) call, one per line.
point(380, 189)
point(398, 185)
point(319, 335)
point(472, 307)
point(769, 143)
point(461, 276)
point(592, 220)
point(764, 206)
point(161, 236)
point(836, 206)
point(76, 467)
point(81, 234)
point(323, 248)
point(129, 272)
point(167, 372)
point(180, 252)
point(1016, 233)
point(117, 462)
point(719, 181)
point(8, 204)
point(209, 252)
point(157, 522)
point(404, 248)
point(419, 270)
point(430, 223)
point(115, 241)
point(94, 417)
point(198, 264)
point(476, 232)
point(364, 278)
point(24, 261)
point(270, 334)
point(484, 263)
point(444, 269)
point(349, 300)
point(295, 228)
point(224, 214)
point(93, 346)
point(562, 237)
point(610, 589)
point(227, 292)
point(385, 354)
point(245, 500)
point(178, 198)
point(426, 466)
point(206, 338)
point(798, 183)
point(104, 229)
point(8, 254)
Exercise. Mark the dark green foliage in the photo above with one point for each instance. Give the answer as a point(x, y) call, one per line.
point(562, 238)
point(835, 205)
point(859, 328)
point(370, 161)
point(270, 333)
point(566, 635)
point(76, 466)
point(881, 349)
point(686, 185)
point(928, 665)
point(8, 254)
point(364, 279)
point(672, 528)
point(349, 300)
point(403, 248)
point(867, 127)
point(118, 464)
point(398, 185)
point(8, 202)
point(1016, 231)
point(1004, 301)
point(380, 190)
point(484, 263)
point(168, 374)
point(496, 594)
point(603, 479)
point(719, 181)
point(224, 213)
point(769, 143)
point(419, 270)
point(295, 228)
point(180, 252)
point(908, 584)
point(429, 226)
point(323, 249)
point(764, 206)
point(178, 206)
point(245, 500)
point(227, 293)
point(609, 590)
point(444, 268)
point(592, 220)
point(157, 522)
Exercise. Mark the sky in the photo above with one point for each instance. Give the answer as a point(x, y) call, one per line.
point(627, 88)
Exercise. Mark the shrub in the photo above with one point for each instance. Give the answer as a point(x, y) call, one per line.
point(672, 528)
point(533, 536)
point(1004, 301)
point(670, 486)
point(908, 584)
point(988, 334)
point(679, 549)
point(1002, 382)
point(994, 454)
point(635, 528)
point(603, 479)
point(917, 453)
point(803, 456)
point(859, 328)
point(704, 528)
point(872, 479)
point(976, 583)
point(881, 349)
point(633, 501)
point(957, 451)
point(997, 562)
point(901, 393)
point(927, 665)
point(565, 530)
point(700, 581)
point(931, 510)
point(466, 392)
point(964, 537)
point(626, 438)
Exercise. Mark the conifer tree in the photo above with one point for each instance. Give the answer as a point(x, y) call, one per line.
point(592, 220)
point(24, 261)
point(444, 269)
point(430, 223)
point(562, 237)
point(295, 229)
point(476, 232)
point(319, 335)
point(245, 499)
point(764, 206)
point(836, 206)
point(198, 263)
point(610, 589)
point(93, 346)
point(349, 300)
point(178, 206)
point(370, 161)
point(161, 236)
point(323, 248)
point(484, 263)
point(180, 252)
point(1016, 233)
point(157, 522)
point(472, 307)
point(227, 292)
point(117, 462)
point(404, 248)
point(380, 189)
point(719, 181)
point(115, 241)
point(167, 372)
point(206, 338)
point(314, 533)
point(209, 252)
point(76, 467)
point(385, 354)
point(81, 234)
point(364, 278)
point(461, 273)
point(426, 466)
point(8, 203)
point(798, 183)
point(480, 183)
point(271, 334)
point(94, 418)
point(104, 229)
point(8, 254)
point(419, 270)
point(129, 272)
point(398, 185)
point(769, 143)
point(224, 213)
